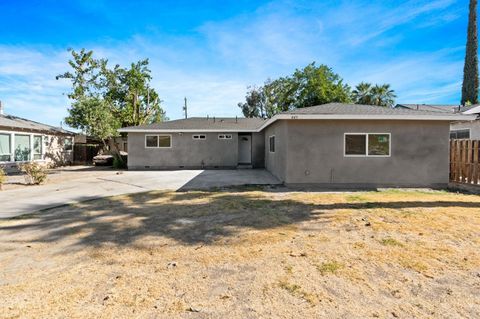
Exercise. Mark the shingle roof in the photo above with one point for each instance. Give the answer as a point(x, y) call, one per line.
point(203, 123)
point(325, 111)
point(14, 122)
point(359, 109)
point(444, 108)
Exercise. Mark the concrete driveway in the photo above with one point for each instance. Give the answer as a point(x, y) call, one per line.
point(81, 185)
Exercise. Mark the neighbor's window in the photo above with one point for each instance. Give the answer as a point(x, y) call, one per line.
point(68, 144)
point(158, 141)
point(199, 137)
point(365, 144)
point(37, 147)
point(460, 134)
point(224, 136)
point(5, 152)
point(271, 143)
point(22, 148)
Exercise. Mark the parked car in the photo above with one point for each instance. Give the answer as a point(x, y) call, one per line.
point(107, 159)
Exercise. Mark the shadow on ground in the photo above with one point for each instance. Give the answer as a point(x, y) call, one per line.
point(191, 218)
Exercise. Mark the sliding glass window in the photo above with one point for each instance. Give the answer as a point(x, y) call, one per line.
point(22, 148)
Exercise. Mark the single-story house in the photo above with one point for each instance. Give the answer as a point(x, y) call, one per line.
point(467, 129)
point(458, 129)
point(332, 145)
point(23, 140)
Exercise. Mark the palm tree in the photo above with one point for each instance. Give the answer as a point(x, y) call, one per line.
point(382, 95)
point(362, 93)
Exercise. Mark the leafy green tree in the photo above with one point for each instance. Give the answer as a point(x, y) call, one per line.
point(312, 85)
point(470, 70)
point(318, 85)
point(93, 116)
point(124, 92)
point(279, 95)
point(84, 76)
point(255, 103)
point(362, 94)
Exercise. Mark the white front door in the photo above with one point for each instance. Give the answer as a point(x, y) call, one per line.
point(244, 149)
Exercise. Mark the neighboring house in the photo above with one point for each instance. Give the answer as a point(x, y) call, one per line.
point(460, 129)
point(22, 140)
point(467, 129)
point(332, 145)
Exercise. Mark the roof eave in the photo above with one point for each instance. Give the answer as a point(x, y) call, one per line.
point(132, 130)
point(398, 117)
point(293, 116)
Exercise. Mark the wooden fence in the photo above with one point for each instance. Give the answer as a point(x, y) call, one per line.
point(464, 161)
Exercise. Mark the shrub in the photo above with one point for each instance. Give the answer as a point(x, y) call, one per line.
point(119, 161)
point(35, 173)
point(3, 178)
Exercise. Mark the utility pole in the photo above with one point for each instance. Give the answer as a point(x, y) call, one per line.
point(185, 108)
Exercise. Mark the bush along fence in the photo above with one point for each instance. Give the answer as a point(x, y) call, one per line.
point(464, 161)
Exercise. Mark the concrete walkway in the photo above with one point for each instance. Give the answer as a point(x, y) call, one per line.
point(24, 200)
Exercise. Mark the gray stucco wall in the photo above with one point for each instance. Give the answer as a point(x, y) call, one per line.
point(315, 154)
point(184, 152)
point(276, 162)
point(258, 150)
point(474, 127)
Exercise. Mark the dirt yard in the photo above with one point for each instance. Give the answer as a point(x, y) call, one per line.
point(246, 253)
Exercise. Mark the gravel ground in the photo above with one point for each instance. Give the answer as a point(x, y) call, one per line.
point(246, 253)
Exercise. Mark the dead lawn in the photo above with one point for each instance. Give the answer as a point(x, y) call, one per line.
point(246, 253)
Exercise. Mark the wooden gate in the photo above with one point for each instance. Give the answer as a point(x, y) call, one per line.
point(464, 161)
point(84, 153)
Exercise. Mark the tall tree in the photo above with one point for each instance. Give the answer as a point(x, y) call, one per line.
point(312, 85)
point(93, 116)
point(255, 103)
point(315, 85)
point(84, 75)
point(470, 70)
point(110, 98)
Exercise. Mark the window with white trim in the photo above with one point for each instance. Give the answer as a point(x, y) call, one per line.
point(199, 136)
point(224, 136)
point(367, 144)
point(37, 147)
point(158, 141)
point(68, 144)
point(460, 134)
point(5, 151)
point(22, 148)
point(271, 144)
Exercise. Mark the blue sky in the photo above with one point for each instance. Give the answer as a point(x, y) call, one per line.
point(210, 51)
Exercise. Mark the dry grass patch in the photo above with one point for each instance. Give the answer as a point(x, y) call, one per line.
point(246, 253)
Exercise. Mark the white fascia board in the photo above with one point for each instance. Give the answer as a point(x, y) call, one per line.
point(183, 131)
